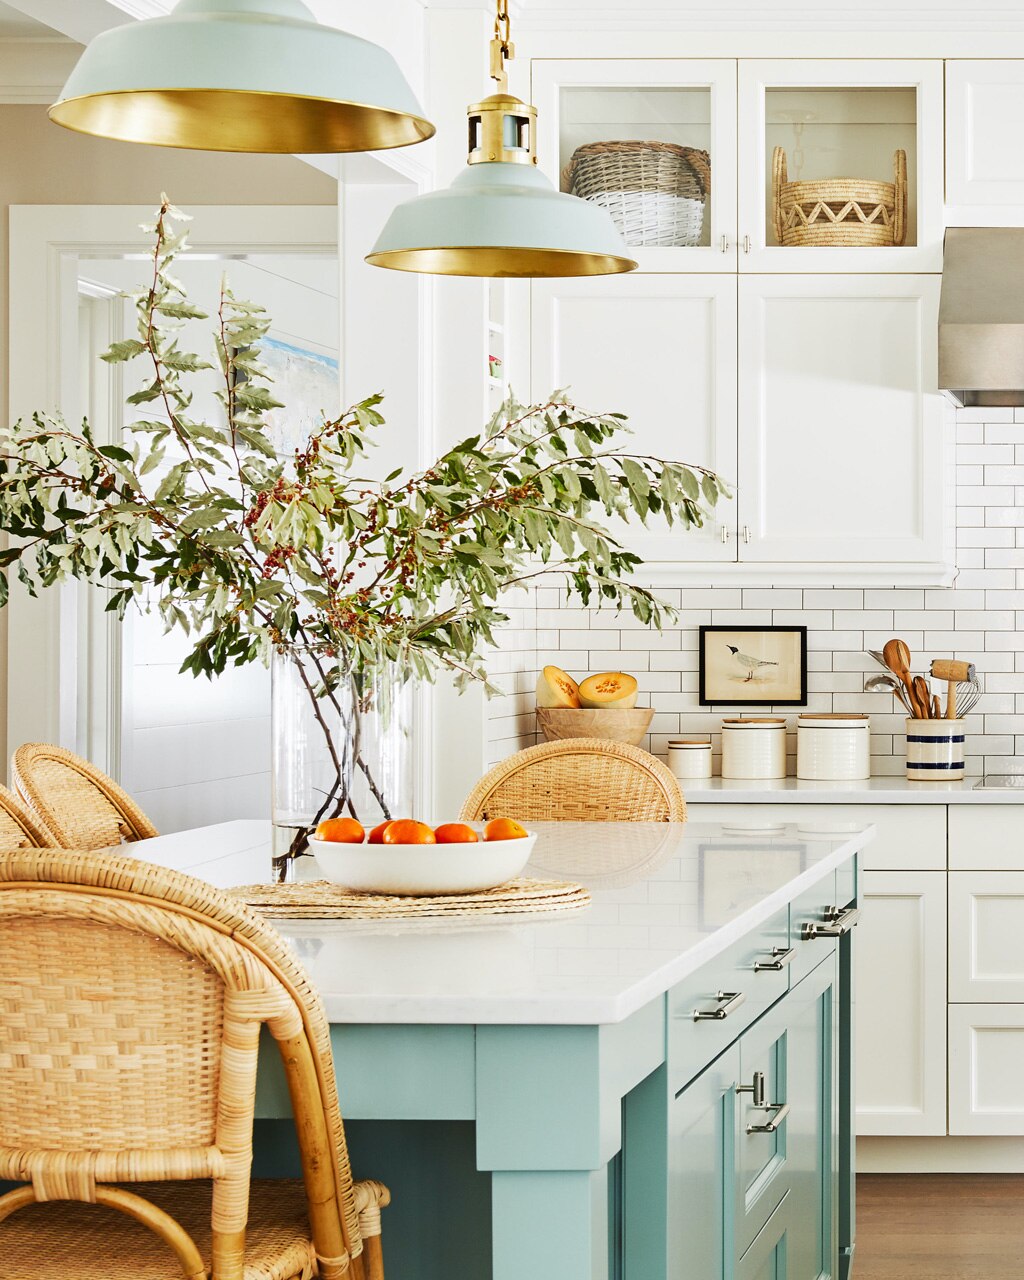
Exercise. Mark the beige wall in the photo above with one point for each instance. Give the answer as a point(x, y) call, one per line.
point(43, 164)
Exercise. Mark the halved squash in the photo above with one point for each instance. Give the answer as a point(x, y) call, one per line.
point(610, 689)
point(555, 688)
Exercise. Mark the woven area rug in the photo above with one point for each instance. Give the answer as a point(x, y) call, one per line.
point(321, 900)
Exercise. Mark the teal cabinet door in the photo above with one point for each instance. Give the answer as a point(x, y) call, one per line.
point(768, 1256)
point(787, 1115)
point(700, 1151)
point(813, 1123)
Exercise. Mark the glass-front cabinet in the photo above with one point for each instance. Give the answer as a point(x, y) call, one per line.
point(840, 165)
point(709, 165)
point(652, 140)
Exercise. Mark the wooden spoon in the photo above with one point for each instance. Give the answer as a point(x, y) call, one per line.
point(923, 697)
point(897, 658)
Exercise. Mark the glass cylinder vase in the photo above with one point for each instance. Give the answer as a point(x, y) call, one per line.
point(342, 747)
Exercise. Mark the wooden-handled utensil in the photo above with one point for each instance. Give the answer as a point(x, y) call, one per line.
point(896, 654)
point(952, 671)
point(923, 697)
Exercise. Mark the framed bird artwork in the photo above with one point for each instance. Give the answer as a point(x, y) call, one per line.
point(753, 666)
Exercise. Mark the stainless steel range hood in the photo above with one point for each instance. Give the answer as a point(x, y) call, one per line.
point(981, 316)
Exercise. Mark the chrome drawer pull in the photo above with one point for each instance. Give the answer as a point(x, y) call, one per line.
point(839, 923)
point(728, 1001)
point(781, 1110)
point(781, 956)
point(757, 1089)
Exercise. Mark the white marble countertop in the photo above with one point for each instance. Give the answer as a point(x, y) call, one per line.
point(881, 790)
point(667, 898)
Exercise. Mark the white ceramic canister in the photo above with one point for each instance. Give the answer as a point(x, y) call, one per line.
point(833, 746)
point(754, 747)
point(689, 758)
point(935, 750)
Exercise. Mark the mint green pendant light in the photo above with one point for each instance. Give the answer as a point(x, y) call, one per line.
point(241, 75)
point(501, 216)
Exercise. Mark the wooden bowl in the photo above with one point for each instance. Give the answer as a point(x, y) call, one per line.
point(612, 724)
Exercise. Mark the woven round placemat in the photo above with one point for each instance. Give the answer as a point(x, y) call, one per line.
point(322, 900)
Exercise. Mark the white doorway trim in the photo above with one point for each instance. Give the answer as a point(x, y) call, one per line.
point(47, 243)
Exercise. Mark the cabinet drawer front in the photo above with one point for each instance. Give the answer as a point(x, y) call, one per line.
point(986, 1049)
point(900, 1004)
point(693, 1043)
point(811, 908)
point(986, 924)
point(910, 837)
point(986, 837)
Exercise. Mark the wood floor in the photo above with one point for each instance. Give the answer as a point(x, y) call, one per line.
point(940, 1227)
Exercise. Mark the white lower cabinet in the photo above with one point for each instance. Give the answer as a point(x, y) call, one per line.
point(900, 1004)
point(986, 1050)
point(986, 925)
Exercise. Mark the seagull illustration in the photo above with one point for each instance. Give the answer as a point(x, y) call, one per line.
point(750, 664)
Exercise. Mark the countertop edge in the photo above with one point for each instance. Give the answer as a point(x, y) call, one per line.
point(378, 1010)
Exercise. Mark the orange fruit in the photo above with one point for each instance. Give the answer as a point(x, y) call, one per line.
point(341, 831)
point(408, 831)
point(455, 833)
point(376, 836)
point(504, 829)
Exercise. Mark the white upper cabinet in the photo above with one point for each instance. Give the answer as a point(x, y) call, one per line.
point(839, 118)
point(984, 157)
point(662, 350)
point(841, 429)
point(691, 104)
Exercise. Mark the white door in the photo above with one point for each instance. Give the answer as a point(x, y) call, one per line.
point(690, 103)
point(986, 1049)
point(986, 924)
point(840, 118)
point(900, 1013)
point(984, 158)
point(662, 350)
point(841, 429)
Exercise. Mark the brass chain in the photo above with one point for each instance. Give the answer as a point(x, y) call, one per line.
point(502, 48)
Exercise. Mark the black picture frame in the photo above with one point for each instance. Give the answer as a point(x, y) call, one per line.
point(713, 673)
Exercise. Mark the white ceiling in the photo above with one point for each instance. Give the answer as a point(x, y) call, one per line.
point(15, 25)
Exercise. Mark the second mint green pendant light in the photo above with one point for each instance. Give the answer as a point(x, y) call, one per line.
point(501, 216)
point(241, 75)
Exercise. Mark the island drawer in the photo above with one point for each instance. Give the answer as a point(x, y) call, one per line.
point(711, 993)
point(809, 914)
point(908, 837)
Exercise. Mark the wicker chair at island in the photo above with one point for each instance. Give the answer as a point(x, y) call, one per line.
point(20, 829)
point(578, 780)
point(131, 1003)
point(75, 801)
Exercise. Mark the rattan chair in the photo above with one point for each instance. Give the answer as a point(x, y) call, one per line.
point(131, 1002)
point(76, 802)
point(578, 780)
point(18, 828)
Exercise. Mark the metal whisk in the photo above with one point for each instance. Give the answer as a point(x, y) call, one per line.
point(967, 694)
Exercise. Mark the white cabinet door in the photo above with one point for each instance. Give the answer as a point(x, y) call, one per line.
point(841, 429)
point(900, 1004)
point(986, 924)
point(662, 350)
point(689, 102)
point(986, 1049)
point(984, 158)
point(986, 837)
point(839, 118)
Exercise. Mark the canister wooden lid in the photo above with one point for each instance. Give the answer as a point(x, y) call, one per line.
point(755, 722)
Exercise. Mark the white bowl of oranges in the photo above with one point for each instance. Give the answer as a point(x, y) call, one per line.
point(409, 857)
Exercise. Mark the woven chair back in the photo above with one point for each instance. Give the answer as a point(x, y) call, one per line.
point(578, 780)
point(18, 828)
point(79, 804)
point(131, 1003)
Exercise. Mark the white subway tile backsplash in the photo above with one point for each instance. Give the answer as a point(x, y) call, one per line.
point(979, 618)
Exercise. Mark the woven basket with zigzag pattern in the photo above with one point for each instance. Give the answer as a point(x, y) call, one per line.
point(840, 212)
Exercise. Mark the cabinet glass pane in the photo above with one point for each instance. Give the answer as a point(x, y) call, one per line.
point(655, 196)
point(850, 133)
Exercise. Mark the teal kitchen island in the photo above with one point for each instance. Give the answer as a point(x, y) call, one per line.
point(656, 1087)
